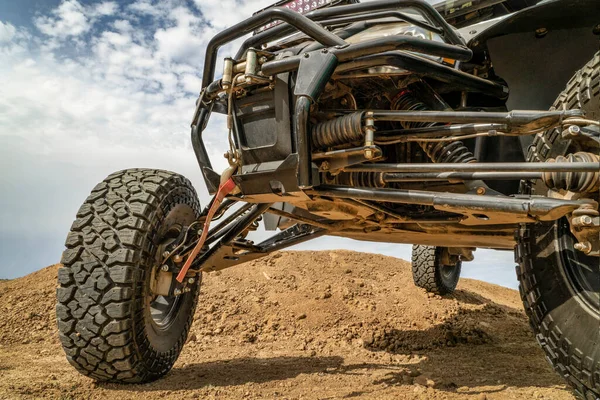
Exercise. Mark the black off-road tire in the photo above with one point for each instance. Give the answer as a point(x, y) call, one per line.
point(429, 273)
point(559, 286)
point(103, 300)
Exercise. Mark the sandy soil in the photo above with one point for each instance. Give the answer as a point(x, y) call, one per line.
point(310, 325)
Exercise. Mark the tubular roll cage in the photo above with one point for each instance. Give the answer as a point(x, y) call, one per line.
point(315, 66)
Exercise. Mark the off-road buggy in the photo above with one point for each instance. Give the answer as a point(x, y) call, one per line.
point(384, 121)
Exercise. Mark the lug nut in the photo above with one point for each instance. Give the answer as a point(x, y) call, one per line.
point(541, 32)
point(585, 247)
point(164, 268)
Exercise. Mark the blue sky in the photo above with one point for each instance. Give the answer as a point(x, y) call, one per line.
point(90, 87)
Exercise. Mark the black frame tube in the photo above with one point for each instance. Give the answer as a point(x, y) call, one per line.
point(423, 66)
point(424, 8)
point(378, 15)
point(374, 46)
point(219, 230)
point(297, 20)
point(244, 222)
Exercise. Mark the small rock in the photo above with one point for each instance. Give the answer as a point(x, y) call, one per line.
point(192, 338)
point(421, 380)
point(301, 316)
point(481, 396)
point(348, 271)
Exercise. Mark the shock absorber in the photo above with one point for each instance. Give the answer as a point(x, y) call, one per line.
point(438, 152)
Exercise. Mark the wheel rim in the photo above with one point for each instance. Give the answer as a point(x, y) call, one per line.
point(448, 271)
point(163, 310)
point(582, 272)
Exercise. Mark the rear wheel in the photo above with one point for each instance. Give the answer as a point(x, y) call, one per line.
point(431, 273)
point(560, 286)
point(111, 325)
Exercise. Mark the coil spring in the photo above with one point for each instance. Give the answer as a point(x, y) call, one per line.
point(342, 130)
point(578, 182)
point(438, 152)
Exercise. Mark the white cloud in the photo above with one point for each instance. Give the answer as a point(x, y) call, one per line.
point(68, 19)
point(225, 13)
point(105, 8)
point(146, 7)
point(183, 42)
point(7, 32)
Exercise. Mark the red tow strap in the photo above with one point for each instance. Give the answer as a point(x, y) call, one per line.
point(224, 189)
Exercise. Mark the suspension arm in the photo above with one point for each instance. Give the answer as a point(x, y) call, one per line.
point(479, 167)
point(224, 255)
point(477, 210)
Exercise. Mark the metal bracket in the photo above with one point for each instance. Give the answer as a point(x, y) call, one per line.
point(334, 161)
point(314, 72)
point(585, 226)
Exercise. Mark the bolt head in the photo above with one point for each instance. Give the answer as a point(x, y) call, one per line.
point(585, 247)
point(165, 267)
point(480, 191)
point(191, 280)
point(177, 292)
point(166, 254)
point(541, 32)
point(574, 129)
point(306, 55)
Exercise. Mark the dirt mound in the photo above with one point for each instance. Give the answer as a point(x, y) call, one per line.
point(304, 324)
point(27, 308)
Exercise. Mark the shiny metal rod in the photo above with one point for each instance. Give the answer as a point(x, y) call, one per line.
point(480, 167)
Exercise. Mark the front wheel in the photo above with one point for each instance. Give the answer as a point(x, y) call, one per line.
point(111, 325)
point(559, 285)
